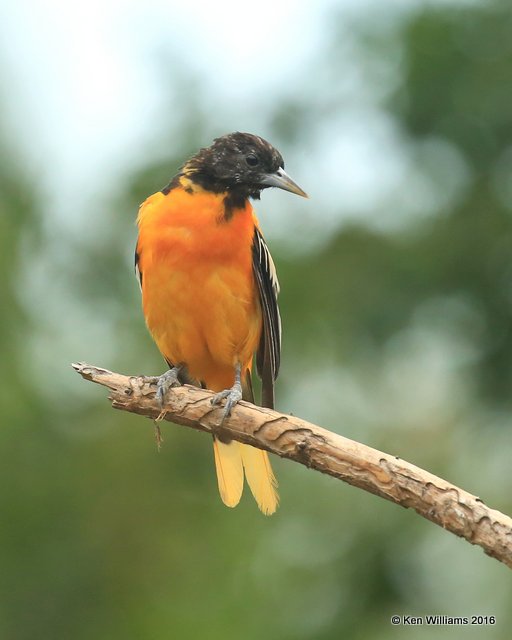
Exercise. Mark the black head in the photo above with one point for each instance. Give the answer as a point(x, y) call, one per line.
point(240, 163)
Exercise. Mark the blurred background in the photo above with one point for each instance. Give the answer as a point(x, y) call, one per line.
point(396, 282)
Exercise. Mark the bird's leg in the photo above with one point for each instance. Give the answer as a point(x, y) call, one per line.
point(232, 396)
point(165, 382)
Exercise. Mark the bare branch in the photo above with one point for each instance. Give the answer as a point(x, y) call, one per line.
point(384, 475)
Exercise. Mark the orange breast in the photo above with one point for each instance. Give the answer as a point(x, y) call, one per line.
point(198, 291)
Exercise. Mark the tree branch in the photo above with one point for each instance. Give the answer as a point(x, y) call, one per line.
point(384, 475)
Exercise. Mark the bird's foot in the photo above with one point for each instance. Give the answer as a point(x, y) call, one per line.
point(232, 397)
point(165, 382)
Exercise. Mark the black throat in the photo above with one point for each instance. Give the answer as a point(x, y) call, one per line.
point(236, 197)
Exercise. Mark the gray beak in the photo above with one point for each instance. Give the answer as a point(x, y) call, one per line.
point(282, 180)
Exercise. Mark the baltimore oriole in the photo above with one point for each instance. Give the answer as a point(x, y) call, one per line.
point(209, 290)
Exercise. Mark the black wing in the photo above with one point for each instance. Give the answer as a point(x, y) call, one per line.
point(138, 272)
point(268, 355)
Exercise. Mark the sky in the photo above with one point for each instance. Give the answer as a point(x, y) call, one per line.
point(85, 80)
point(86, 85)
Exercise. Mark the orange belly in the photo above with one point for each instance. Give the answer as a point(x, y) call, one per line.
point(198, 291)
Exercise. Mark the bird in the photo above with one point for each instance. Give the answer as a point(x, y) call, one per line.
point(209, 291)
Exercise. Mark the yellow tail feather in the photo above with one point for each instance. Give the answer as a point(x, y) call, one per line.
point(230, 472)
point(230, 462)
point(260, 478)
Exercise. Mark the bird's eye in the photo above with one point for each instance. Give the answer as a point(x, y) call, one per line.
point(252, 160)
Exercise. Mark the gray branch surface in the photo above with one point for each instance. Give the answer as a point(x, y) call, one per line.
point(290, 437)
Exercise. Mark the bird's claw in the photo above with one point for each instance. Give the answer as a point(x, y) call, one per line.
point(165, 382)
point(232, 397)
